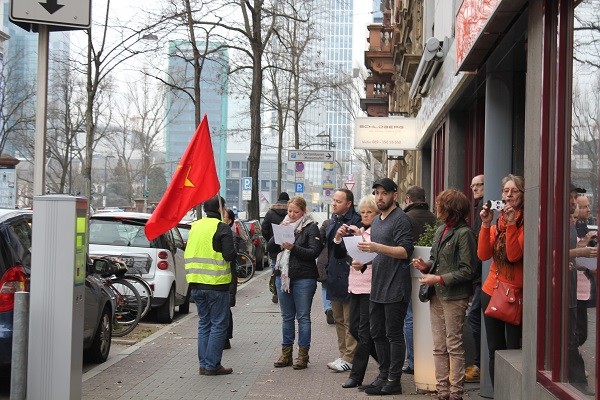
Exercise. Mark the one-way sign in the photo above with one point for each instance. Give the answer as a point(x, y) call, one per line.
point(311, 155)
point(68, 13)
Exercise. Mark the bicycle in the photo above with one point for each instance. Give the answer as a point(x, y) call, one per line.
point(127, 299)
point(143, 289)
point(245, 267)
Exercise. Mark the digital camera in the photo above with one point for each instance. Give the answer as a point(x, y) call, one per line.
point(495, 204)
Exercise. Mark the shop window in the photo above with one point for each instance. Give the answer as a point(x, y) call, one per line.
point(568, 286)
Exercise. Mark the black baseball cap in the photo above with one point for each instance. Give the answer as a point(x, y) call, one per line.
point(386, 183)
point(576, 189)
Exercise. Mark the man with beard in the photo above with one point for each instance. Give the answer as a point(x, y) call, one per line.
point(338, 270)
point(392, 240)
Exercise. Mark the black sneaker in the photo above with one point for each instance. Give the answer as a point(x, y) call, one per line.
point(330, 319)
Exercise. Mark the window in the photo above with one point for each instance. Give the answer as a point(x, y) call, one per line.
point(567, 354)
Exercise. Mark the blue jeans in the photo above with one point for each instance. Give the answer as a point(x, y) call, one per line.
point(474, 319)
point(326, 303)
point(296, 305)
point(408, 336)
point(213, 313)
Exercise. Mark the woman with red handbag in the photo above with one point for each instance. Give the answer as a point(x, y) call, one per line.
point(503, 243)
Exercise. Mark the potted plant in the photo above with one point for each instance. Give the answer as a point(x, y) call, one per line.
point(423, 340)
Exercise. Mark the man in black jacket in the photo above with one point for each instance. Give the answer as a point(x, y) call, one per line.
point(420, 216)
point(275, 215)
point(337, 278)
point(472, 373)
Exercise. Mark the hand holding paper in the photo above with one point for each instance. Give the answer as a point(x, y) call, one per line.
point(351, 243)
point(283, 233)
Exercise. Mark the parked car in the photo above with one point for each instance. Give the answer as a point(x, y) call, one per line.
point(259, 244)
point(245, 241)
point(184, 229)
point(160, 261)
point(15, 270)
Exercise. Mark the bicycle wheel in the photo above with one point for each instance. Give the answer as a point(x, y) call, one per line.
point(144, 290)
point(128, 307)
point(245, 267)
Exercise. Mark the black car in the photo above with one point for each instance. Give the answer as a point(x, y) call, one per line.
point(15, 264)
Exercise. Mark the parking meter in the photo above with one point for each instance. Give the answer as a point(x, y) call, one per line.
point(58, 271)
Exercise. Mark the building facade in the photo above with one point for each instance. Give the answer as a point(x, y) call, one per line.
point(499, 87)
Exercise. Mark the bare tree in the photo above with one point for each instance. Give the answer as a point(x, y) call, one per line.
point(17, 104)
point(104, 55)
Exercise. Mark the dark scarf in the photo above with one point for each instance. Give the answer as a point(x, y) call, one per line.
point(499, 253)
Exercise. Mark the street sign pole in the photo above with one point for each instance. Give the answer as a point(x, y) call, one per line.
point(40, 114)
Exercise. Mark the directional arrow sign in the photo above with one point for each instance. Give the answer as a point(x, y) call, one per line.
point(311, 155)
point(68, 13)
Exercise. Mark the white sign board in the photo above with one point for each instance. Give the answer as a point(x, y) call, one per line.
point(385, 133)
point(311, 155)
point(67, 13)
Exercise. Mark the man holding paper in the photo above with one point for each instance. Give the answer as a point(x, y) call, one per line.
point(392, 240)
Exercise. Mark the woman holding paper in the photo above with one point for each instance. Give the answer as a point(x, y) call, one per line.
point(359, 286)
point(296, 281)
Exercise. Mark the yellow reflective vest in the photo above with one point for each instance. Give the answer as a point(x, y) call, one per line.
point(202, 263)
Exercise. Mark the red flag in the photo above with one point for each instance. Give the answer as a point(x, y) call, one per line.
point(194, 181)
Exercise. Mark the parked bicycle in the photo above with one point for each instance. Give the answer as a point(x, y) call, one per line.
point(129, 305)
point(245, 267)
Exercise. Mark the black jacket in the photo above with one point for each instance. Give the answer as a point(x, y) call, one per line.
point(303, 255)
point(275, 215)
point(338, 269)
point(420, 216)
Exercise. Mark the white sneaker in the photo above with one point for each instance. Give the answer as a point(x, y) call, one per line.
point(333, 365)
point(342, 366)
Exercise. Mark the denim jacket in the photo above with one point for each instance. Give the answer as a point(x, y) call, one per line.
point(456, 257)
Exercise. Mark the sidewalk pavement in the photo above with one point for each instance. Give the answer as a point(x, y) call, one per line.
point(165, 365)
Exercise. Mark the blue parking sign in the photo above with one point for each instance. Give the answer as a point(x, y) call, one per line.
point(247, 183)
point(299, 187)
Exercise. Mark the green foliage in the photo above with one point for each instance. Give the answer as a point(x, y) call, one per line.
point(426, 239)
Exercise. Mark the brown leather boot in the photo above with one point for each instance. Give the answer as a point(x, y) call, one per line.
point(285, 359)
point(302, 360)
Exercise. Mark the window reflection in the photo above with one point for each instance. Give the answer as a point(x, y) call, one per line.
point(583, 206)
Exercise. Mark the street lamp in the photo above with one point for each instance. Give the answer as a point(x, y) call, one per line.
point(104, 191)
point(327, 135)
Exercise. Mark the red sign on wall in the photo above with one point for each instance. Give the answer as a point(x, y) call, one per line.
point(470, 21)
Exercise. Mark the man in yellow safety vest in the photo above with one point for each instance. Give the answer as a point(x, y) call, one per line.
point(209, 257)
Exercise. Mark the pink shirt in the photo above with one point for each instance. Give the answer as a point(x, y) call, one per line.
point(360, 282)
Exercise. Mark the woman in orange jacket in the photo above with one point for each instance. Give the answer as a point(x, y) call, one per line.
point(503, 243)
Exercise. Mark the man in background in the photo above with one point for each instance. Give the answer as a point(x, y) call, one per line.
point(472, 372)
point(338, 270)
point(420, 216)
point(275, 215)
point(208, 255)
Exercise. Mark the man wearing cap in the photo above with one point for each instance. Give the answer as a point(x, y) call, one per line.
point(392, 240)
point(576, 367)
point(208, 258)
point(275, 215)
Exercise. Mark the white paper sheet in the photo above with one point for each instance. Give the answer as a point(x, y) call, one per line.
point(283, 233)
point(351, 243)
point(584, 262)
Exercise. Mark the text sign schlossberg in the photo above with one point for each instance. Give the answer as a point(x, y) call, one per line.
point(385, 133)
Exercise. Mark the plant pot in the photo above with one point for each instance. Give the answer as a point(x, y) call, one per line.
point(423, 339)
